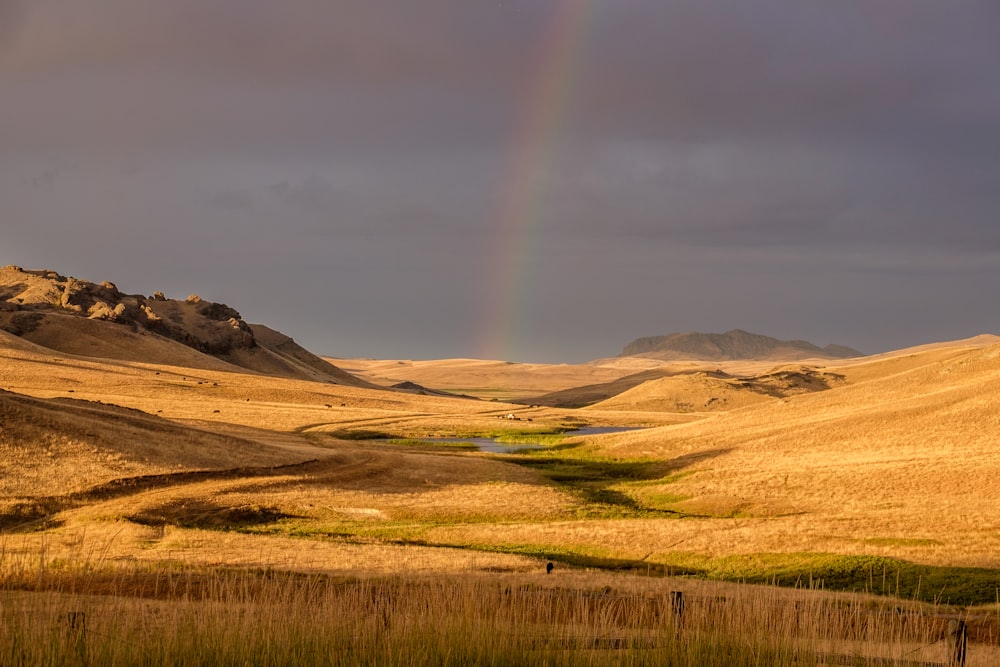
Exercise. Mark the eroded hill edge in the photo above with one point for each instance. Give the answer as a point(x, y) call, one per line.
point(97, 319)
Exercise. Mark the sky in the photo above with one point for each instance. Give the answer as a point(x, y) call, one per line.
point(528, 180)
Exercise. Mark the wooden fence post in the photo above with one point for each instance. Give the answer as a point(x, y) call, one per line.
point(677, 607)
point(957, 639)
point(76, 623)
point(76, 631)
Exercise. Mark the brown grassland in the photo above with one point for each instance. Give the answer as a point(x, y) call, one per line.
point(213, 515)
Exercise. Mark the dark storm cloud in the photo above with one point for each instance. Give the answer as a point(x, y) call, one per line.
point(804, 168)
point(712, 69)
point(282, 76)
point(890, 111)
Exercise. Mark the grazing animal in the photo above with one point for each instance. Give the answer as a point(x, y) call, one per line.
point(548, 567)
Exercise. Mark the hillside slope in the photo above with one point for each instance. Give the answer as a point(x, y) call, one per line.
point(97, 320)
point(59, 446)
point(715, 391)
point(904, 446)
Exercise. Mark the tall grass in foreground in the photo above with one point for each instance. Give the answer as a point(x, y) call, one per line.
point(83, 614)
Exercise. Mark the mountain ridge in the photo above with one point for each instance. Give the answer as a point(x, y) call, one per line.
point(732, 345)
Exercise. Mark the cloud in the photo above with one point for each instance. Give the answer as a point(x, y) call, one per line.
point(709, 70)
point(230, 200)
point(724, 162)
point(375, 42)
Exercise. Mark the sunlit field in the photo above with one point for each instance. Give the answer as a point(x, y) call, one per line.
point(213, 515)
point(97, 612)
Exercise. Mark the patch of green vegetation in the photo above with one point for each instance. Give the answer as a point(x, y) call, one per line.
point(360, 434)
point(961, 586)
point(832, 572)
point(433, 444)
point(663, 500)
point(391, 532)
point(900, 542)
point(603, 485)
point(836, 572)
point(573, 449)
point(547, 439)
point(583, 557)
point(677, 476)
point(402, 530)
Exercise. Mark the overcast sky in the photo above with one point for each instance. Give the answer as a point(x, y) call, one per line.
point(532, 180)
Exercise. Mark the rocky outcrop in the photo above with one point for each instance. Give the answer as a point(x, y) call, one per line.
point(81, 317)
point(212, 328)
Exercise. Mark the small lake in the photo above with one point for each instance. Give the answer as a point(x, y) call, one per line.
point(492, 446)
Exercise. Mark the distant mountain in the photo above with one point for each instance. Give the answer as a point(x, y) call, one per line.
point(97, 320)
point(730, 346)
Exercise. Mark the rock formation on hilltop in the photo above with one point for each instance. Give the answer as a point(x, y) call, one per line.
point(97, 319)
point(731, 346)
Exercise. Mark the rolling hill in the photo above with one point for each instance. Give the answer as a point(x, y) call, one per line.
point(899, 433)
point(97, 320)
point(51, 449)
point(715, 391)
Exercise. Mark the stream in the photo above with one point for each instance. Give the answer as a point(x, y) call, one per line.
point(491, 444)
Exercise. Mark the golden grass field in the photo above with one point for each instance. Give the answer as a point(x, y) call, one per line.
point(885, 482)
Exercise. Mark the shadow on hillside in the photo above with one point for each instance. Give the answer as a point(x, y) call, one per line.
point(782, 384)
point(30, 515)
point(874, 575)
point(8, 292)
point(20, 323)
point(571, 559)
point(879, 575)
point(593, 479)
point(37, 513)
point(192, 513)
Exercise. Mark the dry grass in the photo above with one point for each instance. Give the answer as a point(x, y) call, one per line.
point(898, 462)
point(60, 446)
point(100, 612)
point(684, 393)
point(484, 379)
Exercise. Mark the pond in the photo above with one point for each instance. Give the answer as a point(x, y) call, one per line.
point(491, 444)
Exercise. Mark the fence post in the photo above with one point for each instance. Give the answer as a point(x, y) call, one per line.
point(677, 607)
point(957, 640)
point(76, 622)
point(76, 631)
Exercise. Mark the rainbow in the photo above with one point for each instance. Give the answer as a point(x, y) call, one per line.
point(534, 141)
